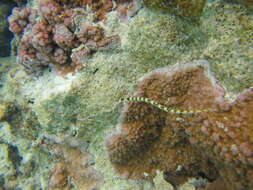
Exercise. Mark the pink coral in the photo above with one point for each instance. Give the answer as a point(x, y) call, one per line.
point(52, 34)
point(217, 143)
point(50, 10)
point(60, 56)
point(37, 48)
point(126, 9)
point(94, 38)
point(79, 57)
point(72, 163)
point(42, 35)
point(75, 165)
point(20, 18)
point(90, 34)
point(100, 7)
point(63, 37)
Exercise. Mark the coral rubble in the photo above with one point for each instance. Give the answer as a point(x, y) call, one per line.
point(216, 144)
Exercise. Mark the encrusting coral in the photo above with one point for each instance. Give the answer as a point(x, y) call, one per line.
point(217, 144)
point(76, 166)
point(73, 167)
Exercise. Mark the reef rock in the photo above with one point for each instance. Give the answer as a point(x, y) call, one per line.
point(179, 7)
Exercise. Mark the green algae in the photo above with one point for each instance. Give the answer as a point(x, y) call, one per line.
point(163, 39)
point(229, 47)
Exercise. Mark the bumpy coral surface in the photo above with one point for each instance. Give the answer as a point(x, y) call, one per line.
point(180, 7)
point(74, 167)
point(50, 34)
point(217, 144)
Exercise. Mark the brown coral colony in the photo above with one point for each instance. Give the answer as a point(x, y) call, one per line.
point(218, 144)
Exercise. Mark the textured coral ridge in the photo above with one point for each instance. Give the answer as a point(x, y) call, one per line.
point(218, 143)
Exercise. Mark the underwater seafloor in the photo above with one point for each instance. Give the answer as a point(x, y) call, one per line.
point(68, 130)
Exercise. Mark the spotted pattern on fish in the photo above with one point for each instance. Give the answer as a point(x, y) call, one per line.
point(160, 106)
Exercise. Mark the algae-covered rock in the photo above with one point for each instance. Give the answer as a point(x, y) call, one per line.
point(229, 47)
point(247, 3)
point(6, 166)
point(6, 110)
point(2, 111)
point(223, 37)
point(20, 161)
point(179, 7)
point(156, 40)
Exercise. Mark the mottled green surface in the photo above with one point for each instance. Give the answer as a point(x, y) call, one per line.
point(186, 8)
point(247, 3)
point(222, 37)
point(22, 165)
point(85, 106)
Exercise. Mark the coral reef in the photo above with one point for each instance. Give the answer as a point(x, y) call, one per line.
point(73, 167)
point(85, 105)
point(179, 7)
point(217, 144)
point(49, 35)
